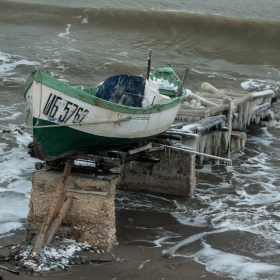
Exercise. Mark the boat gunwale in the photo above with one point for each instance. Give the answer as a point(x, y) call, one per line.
point(40, 77)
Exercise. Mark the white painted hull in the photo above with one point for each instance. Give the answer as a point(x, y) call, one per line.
point(51, 105)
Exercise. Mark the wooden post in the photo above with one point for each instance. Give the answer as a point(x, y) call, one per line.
point(182, 82)
point(57, 222)
point(149, 63)
point(40, 239)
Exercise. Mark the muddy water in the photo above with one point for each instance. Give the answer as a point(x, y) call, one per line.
point(231, 44)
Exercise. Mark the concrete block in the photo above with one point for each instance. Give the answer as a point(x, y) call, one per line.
point(173, 175)
point(91, 218)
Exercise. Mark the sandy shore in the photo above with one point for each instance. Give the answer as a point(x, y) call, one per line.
point(136, 256)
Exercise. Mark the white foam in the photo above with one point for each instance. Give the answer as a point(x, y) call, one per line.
point(66, 32)
point(16, 167)
point(172, 250)
point(14, 208)
point(9, 112)
point(123, 54)
point(260, 85)
point(8, 227)
point(226, 264)
point(9, 62)
point(243, 197)
point(162, 240)
point(84, 21)
point(236, 266)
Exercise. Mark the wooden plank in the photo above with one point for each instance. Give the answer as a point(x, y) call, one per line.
point(59, 190)
point(143, 148)
point(159, 148)
point(58, 220)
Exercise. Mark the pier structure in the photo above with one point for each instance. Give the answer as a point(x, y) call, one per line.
point(218, 118)
point(75, 196)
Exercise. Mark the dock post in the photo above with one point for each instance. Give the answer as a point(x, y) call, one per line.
point(228, 101)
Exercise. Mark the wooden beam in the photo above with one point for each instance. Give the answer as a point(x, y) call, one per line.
point(159, 148)
point(57, 221)
point(40, 239)
point(143, 148)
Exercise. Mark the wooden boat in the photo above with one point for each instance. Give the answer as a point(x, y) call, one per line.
point(70, 120)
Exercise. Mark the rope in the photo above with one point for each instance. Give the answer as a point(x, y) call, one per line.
point(79, 124)
point(23, 127)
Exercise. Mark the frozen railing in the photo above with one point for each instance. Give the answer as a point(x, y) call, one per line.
point(217, 116)
point(246, 107)
point(253, 107)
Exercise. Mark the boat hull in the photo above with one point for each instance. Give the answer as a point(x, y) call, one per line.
point(51, 145)
point(68, 122)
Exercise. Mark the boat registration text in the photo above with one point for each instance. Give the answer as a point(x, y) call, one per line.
point(61, 110)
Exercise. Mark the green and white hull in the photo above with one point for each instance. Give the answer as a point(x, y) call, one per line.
point(68, 121)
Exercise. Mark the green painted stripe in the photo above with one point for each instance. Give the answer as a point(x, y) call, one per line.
point(27, 84)
point(47, 80)
point(57, 141)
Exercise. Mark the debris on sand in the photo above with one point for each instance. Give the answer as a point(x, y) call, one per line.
point(51, 257)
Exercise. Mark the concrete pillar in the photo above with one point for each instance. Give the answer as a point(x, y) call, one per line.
point(173, 175)
point(91, 217)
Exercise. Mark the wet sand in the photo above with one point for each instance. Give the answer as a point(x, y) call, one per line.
point(135, 232)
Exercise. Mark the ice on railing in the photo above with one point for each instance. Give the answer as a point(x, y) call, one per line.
point(238, 140)
point(190, 127)
point(238, 109)
point(188, 118)
point(252, 109)
point(210, 143)
point(247, 107)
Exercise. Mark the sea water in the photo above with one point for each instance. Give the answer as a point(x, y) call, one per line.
point(230, 44)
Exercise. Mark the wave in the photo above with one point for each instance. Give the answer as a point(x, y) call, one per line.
point(175, 25)
point(188, 25)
